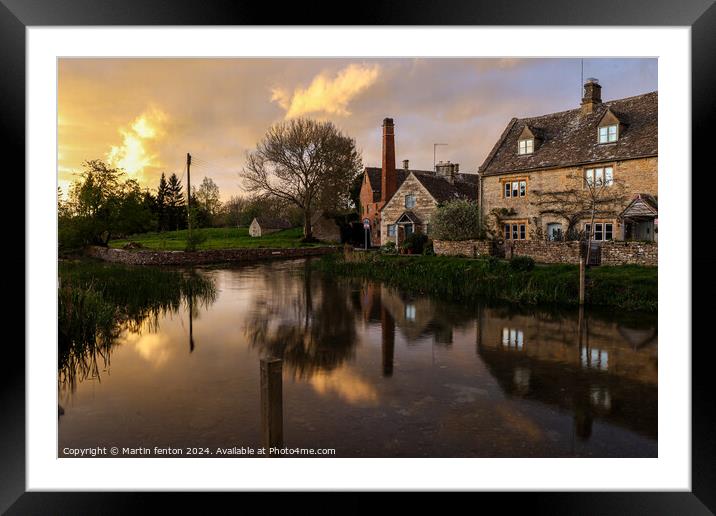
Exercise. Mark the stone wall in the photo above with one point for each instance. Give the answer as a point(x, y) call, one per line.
point(469, 248)
point(544, 251)
point(147, 257)
point(623, 253)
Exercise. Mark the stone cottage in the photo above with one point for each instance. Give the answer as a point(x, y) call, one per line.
point(411, 204)
point(262, 226)
point(612, 143)
point(410, 209)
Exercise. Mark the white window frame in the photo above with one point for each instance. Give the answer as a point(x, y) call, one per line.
point(413, 198)
point(599, 176)
point(392, 230)
point(525, 146)
point(608, 133)
point(603, 231)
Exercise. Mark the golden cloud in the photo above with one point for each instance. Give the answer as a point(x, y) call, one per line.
point(327, 94)
point(133, 153)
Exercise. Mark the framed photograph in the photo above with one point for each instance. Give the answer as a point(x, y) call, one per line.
point(416, 252)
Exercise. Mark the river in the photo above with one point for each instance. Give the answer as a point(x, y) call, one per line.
point(368, 371)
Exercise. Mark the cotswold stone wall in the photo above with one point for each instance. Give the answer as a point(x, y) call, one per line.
point(202, 257)
point(469, 248)
point(623, 253)
point(543, 251)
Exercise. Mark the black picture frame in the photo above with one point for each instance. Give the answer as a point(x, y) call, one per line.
point(700, 15)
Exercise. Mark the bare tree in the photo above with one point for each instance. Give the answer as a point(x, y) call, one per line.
point(587, 196)
point(307, 163)
point(582, 198)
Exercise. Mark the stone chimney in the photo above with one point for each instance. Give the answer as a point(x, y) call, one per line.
point(592, 96)
point(388, 177)
point(447, 170)
point(406, 164)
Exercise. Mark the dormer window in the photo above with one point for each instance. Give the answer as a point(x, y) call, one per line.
point(608, 133)
point(526, 146)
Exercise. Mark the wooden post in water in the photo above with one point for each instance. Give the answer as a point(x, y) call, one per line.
point(581, 280)
point(272, 402)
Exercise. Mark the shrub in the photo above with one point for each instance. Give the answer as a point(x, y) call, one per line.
point(522, 263)
point(457, 220)
point(388, 248)
point(415, 242)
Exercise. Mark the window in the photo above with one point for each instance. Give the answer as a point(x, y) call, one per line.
point(608, 133)
point(599, 176)
point(602, 231)
point(516, 231)
point(391, 230)
point(410, 312)
point(425, 228)
point(410, 201)
point(526, 146)
point(515, 189)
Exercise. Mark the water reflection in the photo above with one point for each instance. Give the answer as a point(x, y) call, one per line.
point(372, 371)
point(308, 323)
point(99, 304)
point(608, 370)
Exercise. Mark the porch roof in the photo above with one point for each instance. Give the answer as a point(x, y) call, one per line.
point(642, 207)
point(408, 217)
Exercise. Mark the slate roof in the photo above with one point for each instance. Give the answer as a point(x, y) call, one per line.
point(441, 189)
point(569, 138)
point(375, 183)
point(411, 216)
point(464, 187)
point(642, 206)
point(271, 223)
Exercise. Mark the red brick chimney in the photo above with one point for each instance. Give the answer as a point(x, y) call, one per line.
point(388, 177)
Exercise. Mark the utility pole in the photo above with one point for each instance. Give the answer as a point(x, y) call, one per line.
point(188, 189)
point(435, 145)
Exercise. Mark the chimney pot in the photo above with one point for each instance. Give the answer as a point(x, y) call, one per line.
point(406, 164)
point(592, 95)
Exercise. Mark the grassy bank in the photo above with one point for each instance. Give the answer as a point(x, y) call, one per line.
point(216, 238)
point(97, 301)
point(464, 280)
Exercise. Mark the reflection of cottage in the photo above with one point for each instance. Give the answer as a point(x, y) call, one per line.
point(261, 226)
point(610, 143)
point(399, 202)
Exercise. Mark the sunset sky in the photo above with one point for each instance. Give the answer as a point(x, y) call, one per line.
point(144, 115)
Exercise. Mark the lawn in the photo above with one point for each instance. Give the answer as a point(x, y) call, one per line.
point(216, 238)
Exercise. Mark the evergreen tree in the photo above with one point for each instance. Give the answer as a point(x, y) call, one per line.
point(161, 204)
point(176, 207)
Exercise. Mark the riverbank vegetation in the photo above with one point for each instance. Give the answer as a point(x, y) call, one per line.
point(97, 301)
point(627, 287)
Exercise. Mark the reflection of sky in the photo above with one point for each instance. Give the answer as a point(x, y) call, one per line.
point(440, 400)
